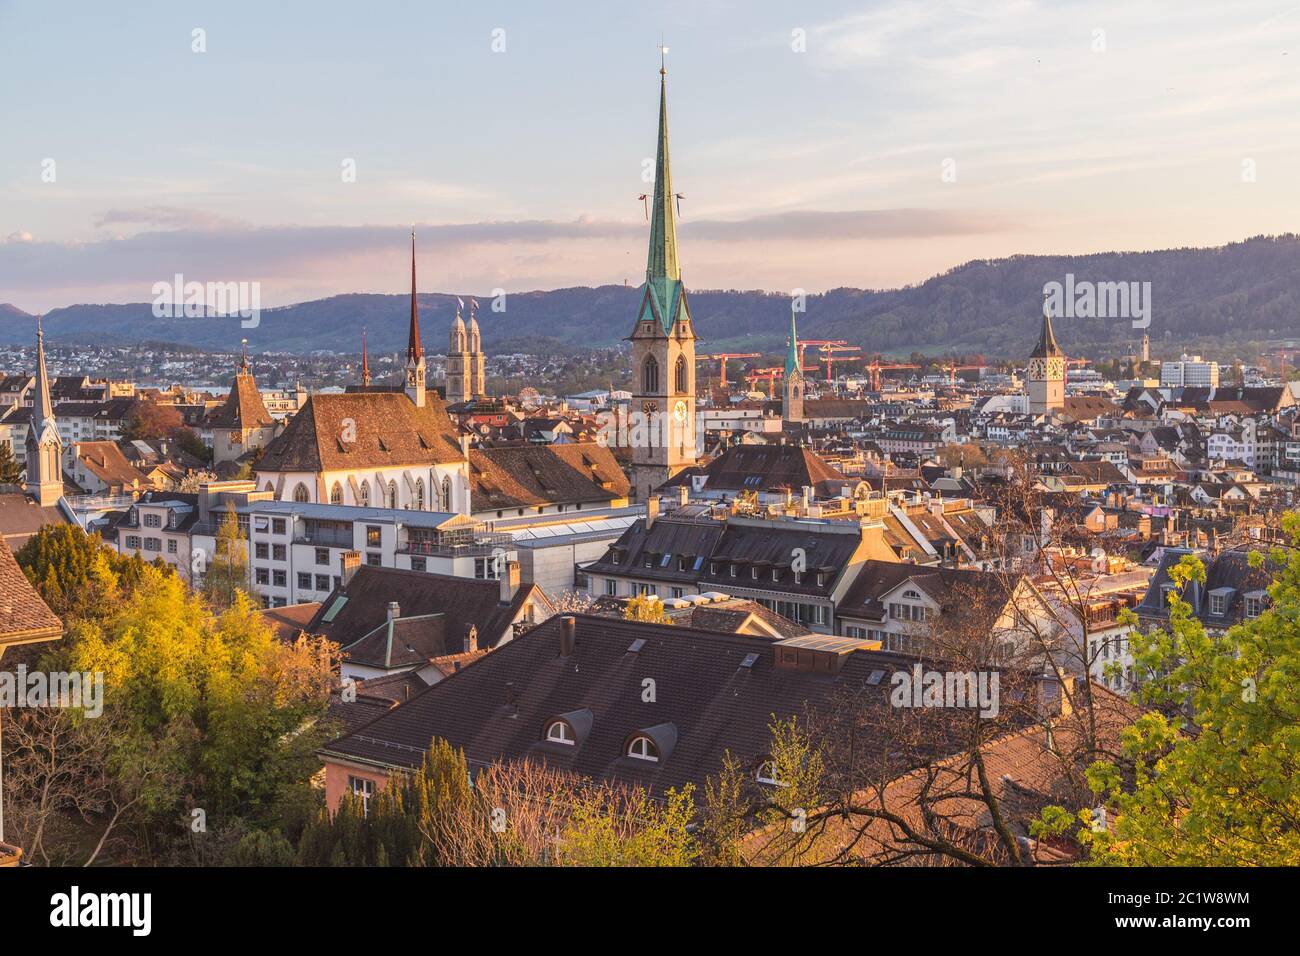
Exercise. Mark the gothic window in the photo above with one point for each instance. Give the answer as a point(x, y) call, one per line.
point(650, 376)
point(419, 494)
point(269, 487)
point(336, 494)
point(445, 502)
point(680, 374)
point(392, 494)
point(300, 493)
point(365, 494)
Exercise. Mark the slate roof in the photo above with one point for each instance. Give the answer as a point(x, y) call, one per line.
point(687, 542)
point(951, 587)
point(530, 475)
point(714, 693)
point(1228, 570)
point(766, 468)
point(769, 545)
point(390, 430)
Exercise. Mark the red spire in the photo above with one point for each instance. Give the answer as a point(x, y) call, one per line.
point(365, 361)
point(414, 351)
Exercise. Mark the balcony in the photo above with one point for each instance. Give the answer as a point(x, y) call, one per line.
point(478, 545)
point(325, 539)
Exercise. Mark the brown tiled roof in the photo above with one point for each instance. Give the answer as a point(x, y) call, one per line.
point(24, 617)
point(21, 517)
point(389, 429)
point(243, 407)
point(289, 621)
point(765, 468)
point(1086, 408)
point(105, 461)
point(529, 475)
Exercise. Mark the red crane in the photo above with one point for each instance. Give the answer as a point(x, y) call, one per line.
point(773, 375)
point(722, 362)
point(817, 343)
point(876, 367)
point(828, 356)
point(952, 371)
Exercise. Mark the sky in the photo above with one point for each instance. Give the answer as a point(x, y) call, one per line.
point(816, 145)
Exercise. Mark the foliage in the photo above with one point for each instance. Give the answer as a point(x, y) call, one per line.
point(647, 610)
point(10, 470)
point(226, 577)
point(70, 569)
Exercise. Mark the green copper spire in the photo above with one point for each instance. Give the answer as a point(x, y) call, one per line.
point(663, 275)
point(792, 364)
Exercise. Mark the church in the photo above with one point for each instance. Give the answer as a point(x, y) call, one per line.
point(663, 341)
point(1046, 374)
point(377, 448)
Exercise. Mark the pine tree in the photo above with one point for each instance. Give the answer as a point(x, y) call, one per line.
point(10, 471)
point(227, 574)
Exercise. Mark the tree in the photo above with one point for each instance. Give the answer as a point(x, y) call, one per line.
point(61, 561)
point(646, 609)
point(227, 573)
point(10, 470)
point(151, 421)
point(1223, 788)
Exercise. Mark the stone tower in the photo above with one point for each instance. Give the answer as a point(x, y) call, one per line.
point(793, 385)
point(1046, 378)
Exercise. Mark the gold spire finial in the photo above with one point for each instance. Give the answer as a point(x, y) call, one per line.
point(663, 53)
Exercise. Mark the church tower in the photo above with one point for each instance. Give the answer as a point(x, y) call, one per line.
point(793, 384)
point(1046, 370)
point(477, 374)
point(662, 426)
point(44, 447)
point(458, 386)
point(365, 362)
point(414, 351)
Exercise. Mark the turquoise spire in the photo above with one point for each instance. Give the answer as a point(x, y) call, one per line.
point(792, 363)
point(663, 275)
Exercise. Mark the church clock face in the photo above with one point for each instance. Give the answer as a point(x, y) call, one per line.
point(649, 408)
point(679, 412)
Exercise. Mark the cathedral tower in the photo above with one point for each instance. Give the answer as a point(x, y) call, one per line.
point(477, 374)
point(662, 426)
point(794, 384)
point(458, 384)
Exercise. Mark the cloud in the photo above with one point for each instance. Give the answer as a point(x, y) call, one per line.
point(165, 217)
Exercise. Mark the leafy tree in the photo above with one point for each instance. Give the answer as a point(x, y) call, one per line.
point(227, 574)
point(151, 420)
point(646, 609)
point(60, 560)
point(1222, 789)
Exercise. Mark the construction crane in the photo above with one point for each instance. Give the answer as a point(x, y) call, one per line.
point(876, 367)
point(829, 357)
point(773, 375)
point(952, 371)
point(722, 362)
point(817, 343)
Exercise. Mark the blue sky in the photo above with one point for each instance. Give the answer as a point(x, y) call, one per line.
point(809, 140)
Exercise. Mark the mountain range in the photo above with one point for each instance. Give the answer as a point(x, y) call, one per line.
point(1247, 290)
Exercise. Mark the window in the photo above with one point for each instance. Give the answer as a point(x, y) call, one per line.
point(1254, 605)
point(362, 789)
point(152, 521)
point(734, 569)
point(261, 550)
point(679, 376)
point(485, 569)
point(1216, 603)
point(373, 535)
point(643, 748)
point(419, 494)
point(323, 556)
point(678, 592)
point(277, 526)
point(645, 590)
point(446, 494)
point(650, 375)
point(152, 544)
point(560, 733)
point(304, 581)
point(365, 494)
point(279, 578)
point(373, 559)
point(611, 587)
point(322, 582)
point(418, 564)
point(171, 546)
point(392, 494)
point(261, 576)
point(278, 552)
point(336, 494)
point(300, 493)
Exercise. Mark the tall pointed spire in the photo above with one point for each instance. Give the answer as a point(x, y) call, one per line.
point(44, 447)
point(662, 260)
point(414, 351)
point(1046, 347)
point(42, 402)
point(792, 363)
point(365, 362)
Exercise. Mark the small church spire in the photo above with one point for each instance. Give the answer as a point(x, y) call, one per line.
point(365, 362)
point(1046, 347)
point(42, 402)
point(44, 447)
point(414, 351)
point(792, 363)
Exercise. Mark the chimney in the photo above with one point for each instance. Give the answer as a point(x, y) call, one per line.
point(683, 496)
point(651, 510)
point(349, 562)
point(568, 634)
point(394, 610)
point(509, 582)
point(464, 446)
point(471, 639)
point(1054, 692)
point(807, 496)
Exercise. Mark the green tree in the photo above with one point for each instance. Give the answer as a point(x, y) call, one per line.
point(1222, 789)
point(60, 559)
point(646, 609)
point(10, 471)
point(227, 574)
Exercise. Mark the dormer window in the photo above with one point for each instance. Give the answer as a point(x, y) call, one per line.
point(560, 732)
point(1217, 602)
point(643, 748)
point(735, 568)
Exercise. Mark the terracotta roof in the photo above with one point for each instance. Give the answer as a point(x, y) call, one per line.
point(390, 431)
point(243, 407)
point(21, 517)
point(289, 621)
point(24, 617)
point(764, 468)
point(104, 460)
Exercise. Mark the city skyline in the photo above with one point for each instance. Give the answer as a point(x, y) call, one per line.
point(1015, 128)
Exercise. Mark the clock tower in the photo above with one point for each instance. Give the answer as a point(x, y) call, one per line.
point(1046, 378)
point(661, 425)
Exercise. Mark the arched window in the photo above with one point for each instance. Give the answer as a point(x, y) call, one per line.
point(643, 748)
point(419, 494)
point(365, 494)
point(679, 376)
point(560, 733)
point(650, 375)
point(300, 493)
point(392, 494)
point(269, 487)
point(445, 502)
point(336, 494)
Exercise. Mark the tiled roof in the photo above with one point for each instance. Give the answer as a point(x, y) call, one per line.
point(530, 475)
point(389, 431)
point(243, 407)
point(765, 468)
point(24, 617)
